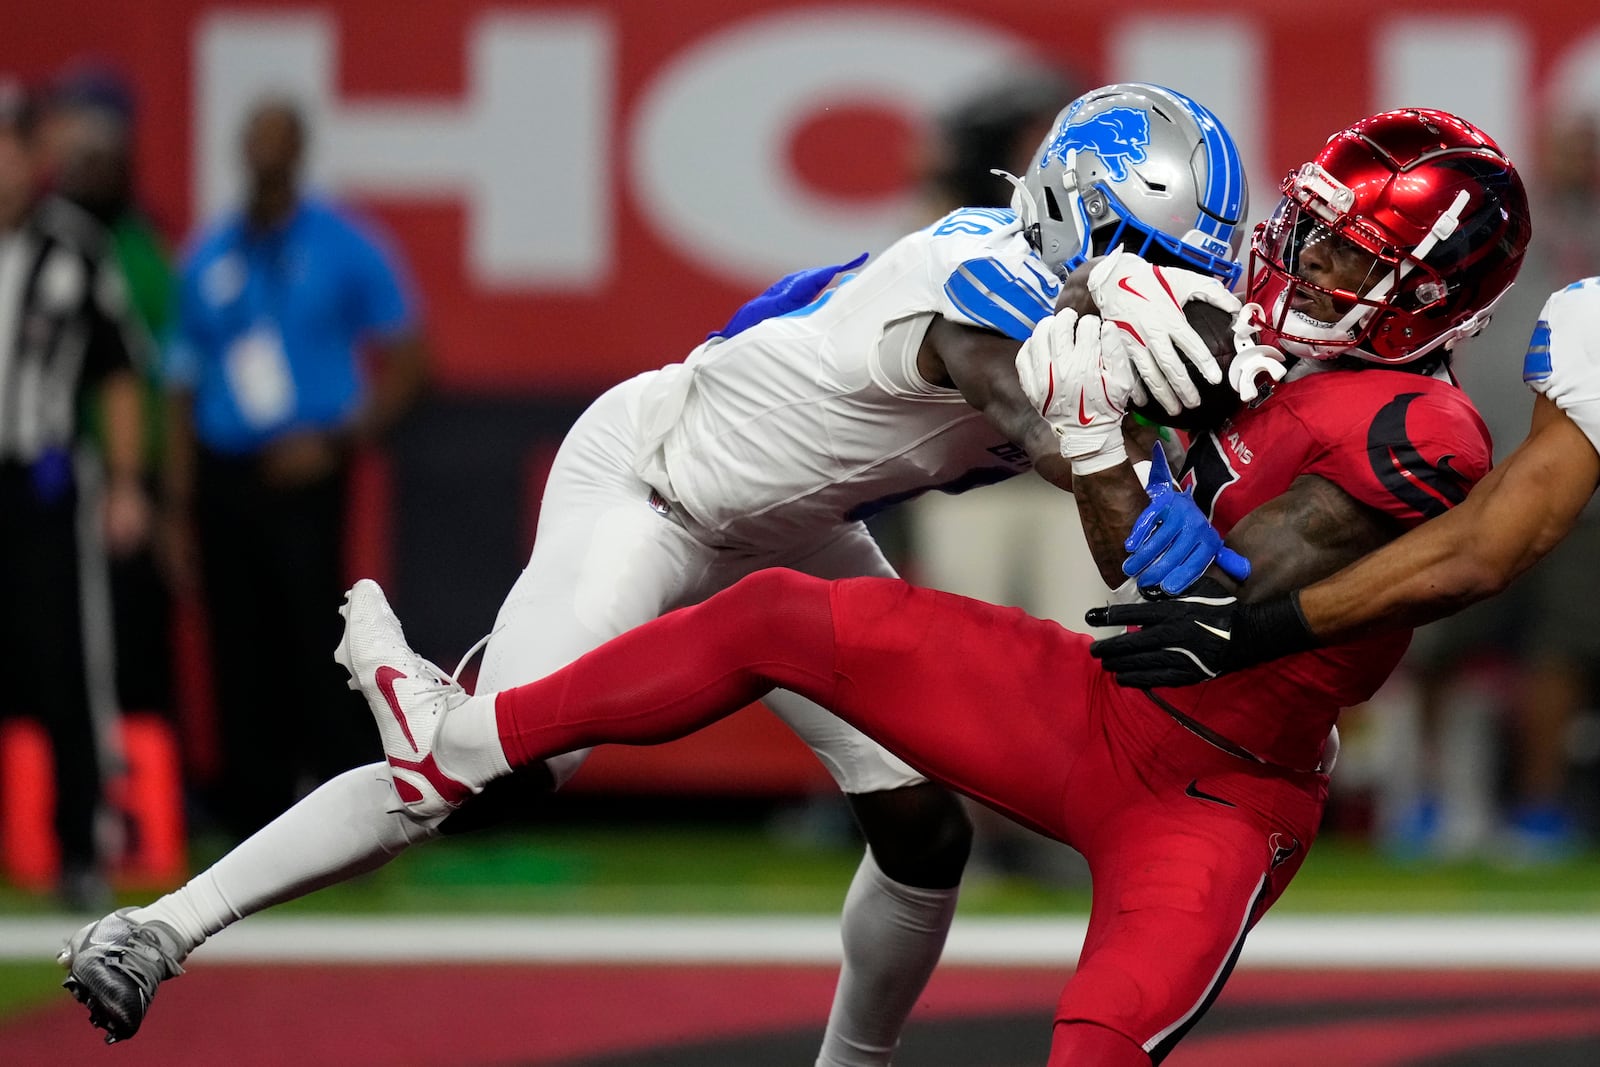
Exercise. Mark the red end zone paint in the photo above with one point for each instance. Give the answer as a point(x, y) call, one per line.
point(451, 1015)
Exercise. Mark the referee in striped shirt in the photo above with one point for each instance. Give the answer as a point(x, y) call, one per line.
point(67, 346)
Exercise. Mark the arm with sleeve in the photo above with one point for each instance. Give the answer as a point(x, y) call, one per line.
point(986, 274)
point(1563, 359)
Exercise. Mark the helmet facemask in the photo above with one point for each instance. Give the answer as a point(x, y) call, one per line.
point(1384, 285)
point(1110, 225)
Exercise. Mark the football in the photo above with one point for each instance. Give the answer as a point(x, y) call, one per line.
point(1215, 328)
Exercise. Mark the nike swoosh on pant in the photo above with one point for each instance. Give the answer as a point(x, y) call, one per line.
point(1193, 790)
point(386, 677)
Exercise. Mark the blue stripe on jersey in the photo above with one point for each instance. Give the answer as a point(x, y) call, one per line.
point(974, 220)
point(1536, 365)
point(986, 292)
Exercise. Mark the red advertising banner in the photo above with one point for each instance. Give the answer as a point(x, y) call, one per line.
point(582, 189)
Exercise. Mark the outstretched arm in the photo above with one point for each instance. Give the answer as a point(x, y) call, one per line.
point(1510, 521)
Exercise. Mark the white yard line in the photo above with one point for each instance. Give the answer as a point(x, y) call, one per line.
point(1543, 942)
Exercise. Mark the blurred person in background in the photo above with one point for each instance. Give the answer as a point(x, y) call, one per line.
point(68, 345)
point(87, 132)
point(270, 396)
point(1034, 555)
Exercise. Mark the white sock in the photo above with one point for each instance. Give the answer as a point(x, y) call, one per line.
point(893, 935)
point(467, 746)
point(342, 829)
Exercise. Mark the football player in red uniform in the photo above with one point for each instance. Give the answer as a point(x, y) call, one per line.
point(1193, 807)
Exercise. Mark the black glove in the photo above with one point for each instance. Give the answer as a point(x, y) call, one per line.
point(1197, 636)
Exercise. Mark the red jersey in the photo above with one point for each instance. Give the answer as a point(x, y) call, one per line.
point(1405, 444)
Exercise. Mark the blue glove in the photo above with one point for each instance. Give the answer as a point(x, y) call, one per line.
point(1172, 543)
point(789, 293)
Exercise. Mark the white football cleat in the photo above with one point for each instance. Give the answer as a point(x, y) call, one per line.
point(408, 696)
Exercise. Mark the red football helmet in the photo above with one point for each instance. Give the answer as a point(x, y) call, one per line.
point(1430, 202)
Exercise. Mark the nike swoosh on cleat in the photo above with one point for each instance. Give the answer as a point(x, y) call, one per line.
point(1193, 790)
point(386, 677)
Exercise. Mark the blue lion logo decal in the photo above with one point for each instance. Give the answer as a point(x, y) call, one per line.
point(1118, 135)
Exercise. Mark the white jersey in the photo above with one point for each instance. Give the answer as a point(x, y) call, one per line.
point(1563, 360)
point(820, 417)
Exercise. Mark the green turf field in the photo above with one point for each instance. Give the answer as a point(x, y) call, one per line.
point(700, 870)
point(691, 869)
point(696, 870)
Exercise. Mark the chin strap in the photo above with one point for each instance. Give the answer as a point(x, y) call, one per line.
point(1443, 227)
point(1075, 212)
point(1471, 328)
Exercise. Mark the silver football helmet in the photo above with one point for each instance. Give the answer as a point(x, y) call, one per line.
point(1139, 166)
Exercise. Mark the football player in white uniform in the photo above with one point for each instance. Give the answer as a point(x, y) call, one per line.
point(768, 446)
point(1506, 524)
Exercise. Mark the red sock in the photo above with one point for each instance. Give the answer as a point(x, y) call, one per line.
point(679, 673)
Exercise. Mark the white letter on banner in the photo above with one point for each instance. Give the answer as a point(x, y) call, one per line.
point(526, 148)
point(709, 159)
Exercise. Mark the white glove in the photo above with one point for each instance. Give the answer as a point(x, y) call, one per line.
point(1073, 371)
point(1036, 368)
point(1146, 303)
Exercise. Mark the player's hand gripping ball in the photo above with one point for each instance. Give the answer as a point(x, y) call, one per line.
point(1215, 327)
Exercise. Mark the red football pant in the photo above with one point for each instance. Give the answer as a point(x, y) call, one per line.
point(1187, 845)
